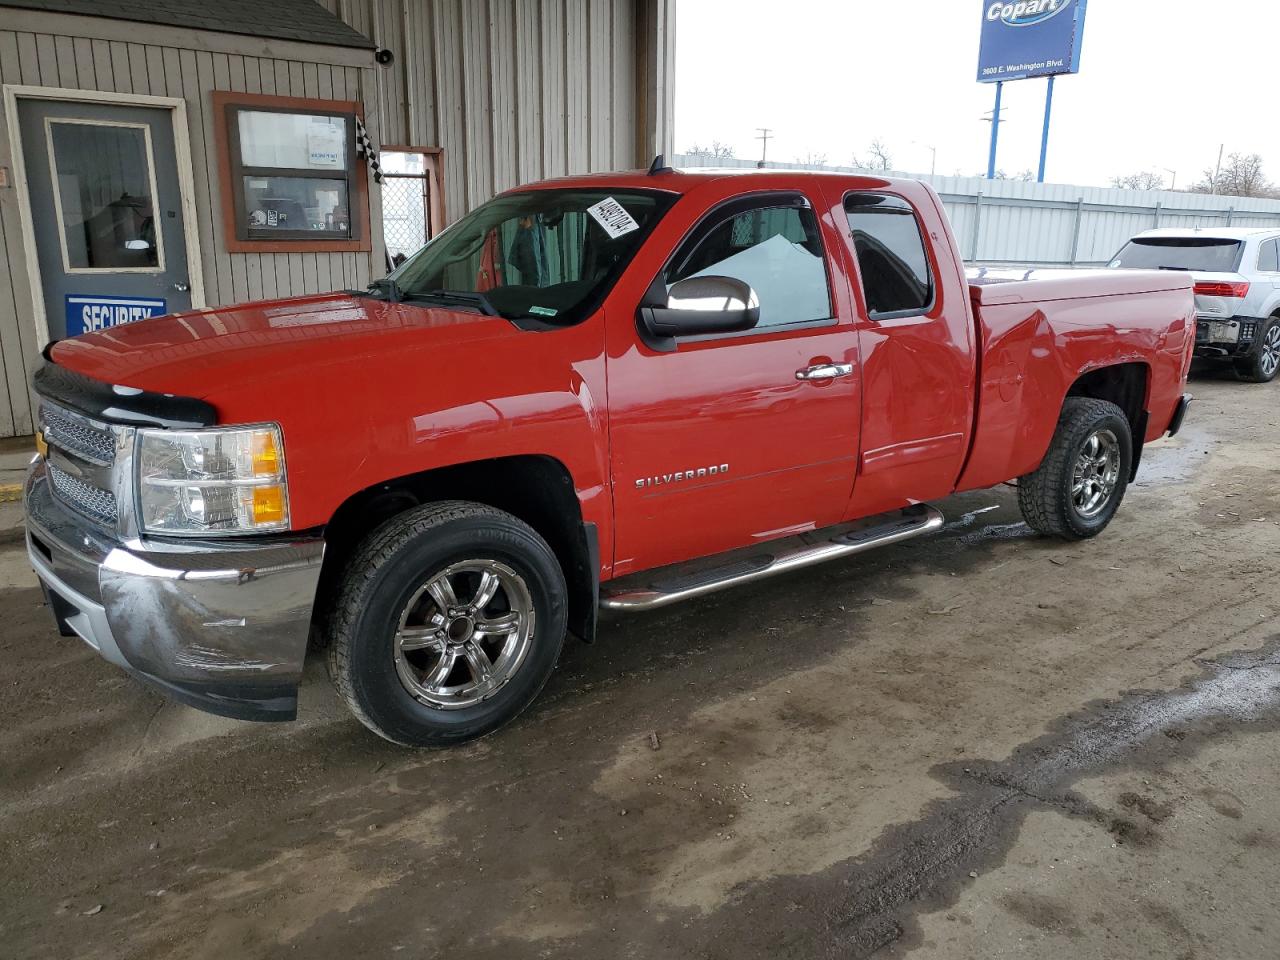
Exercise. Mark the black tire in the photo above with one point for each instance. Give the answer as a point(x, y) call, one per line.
point(1045, 496)
point(1263, 364)
point(389, 569)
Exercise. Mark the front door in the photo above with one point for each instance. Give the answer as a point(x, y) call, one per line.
point(107, 212)
point(742, 438)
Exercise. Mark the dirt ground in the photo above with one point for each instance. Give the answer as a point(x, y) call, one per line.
point(980, 745)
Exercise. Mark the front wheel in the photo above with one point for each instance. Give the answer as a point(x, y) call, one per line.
point(1264, 364)
point(449, 620)
point(1078, 486)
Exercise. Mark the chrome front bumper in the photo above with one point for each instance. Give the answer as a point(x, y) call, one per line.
point(220, 625)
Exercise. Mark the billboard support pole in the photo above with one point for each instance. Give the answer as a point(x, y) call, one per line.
point(1044, 137)
point(995, 132)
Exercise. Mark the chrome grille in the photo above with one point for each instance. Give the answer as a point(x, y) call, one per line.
point(76, 436)
point(96, 503)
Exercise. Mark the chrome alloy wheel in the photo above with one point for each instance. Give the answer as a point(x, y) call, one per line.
point(464, 633)
point(1096, 473)
point(1270, 359)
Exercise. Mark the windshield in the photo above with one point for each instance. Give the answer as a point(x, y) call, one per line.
point(548, 254)
point(1210, 254)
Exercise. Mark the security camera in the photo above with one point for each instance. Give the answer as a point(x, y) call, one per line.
point(383, 56)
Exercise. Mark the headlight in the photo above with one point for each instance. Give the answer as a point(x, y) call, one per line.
point(220, 481)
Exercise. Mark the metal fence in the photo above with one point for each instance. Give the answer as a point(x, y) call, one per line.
point(1048, 224)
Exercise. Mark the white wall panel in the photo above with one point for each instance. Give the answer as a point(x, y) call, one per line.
point(1059, 224)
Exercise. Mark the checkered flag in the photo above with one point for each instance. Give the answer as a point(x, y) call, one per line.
point(364, 148)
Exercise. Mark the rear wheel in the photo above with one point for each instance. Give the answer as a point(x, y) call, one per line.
point(449, 620)
point(1264, 364)
point(1079, 485)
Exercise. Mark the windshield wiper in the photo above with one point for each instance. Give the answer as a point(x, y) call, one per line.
point(1184, 269)
point(469, 297)
point(389, 285)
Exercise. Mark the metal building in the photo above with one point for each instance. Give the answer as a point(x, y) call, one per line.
point(157, 155)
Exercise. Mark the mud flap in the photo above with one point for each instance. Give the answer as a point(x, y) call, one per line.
point(584, 586)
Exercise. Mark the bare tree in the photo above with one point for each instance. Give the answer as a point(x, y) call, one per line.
point(722, 151)
point(1025, 175)
point(812, 159)
point(717, 151)
point(1240, 176)
point(877, 158)
point(1144, 180)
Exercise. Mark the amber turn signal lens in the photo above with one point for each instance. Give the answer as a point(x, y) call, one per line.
point(266, 458)
point(268, 504)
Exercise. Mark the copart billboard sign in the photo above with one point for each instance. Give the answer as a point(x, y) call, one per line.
point(1030, 38)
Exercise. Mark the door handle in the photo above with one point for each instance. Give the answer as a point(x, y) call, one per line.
point(182, 286)
point(825, 371)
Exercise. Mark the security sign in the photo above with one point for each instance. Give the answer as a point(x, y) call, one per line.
point(86, 312)
point(1030, 38)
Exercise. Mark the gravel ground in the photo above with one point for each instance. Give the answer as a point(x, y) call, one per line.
point(979, 745)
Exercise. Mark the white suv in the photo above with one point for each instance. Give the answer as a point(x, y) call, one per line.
point(1237, 282)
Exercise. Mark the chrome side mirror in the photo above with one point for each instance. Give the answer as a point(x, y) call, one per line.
point(698, 306)
point(713, 294)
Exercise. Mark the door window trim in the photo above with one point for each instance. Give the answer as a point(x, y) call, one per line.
point(718, 214)
point(176, 107)
point(879, 316)
point(157, 221)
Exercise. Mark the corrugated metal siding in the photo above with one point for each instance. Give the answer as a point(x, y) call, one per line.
point(1011, 221)
point(518, 90)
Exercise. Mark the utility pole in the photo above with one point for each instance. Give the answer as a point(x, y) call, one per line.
point(933, 167)
point(1217, 171)
point(1173, 184)
point(765, 135)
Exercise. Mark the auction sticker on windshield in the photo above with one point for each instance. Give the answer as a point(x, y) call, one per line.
point(613, 216)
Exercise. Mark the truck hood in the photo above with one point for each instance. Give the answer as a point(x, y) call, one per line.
point(202, 351)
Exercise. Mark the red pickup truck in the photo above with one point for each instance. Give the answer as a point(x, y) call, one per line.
point(617, 390)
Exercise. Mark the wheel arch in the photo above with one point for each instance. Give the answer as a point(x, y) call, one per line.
point(535, 488)
point(1128, 386)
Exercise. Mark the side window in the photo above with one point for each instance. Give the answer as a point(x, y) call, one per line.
point(777, 250)
point(1269, 258)
point(891, 254)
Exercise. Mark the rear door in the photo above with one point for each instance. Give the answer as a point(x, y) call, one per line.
point(719, 444)
point(107, 213)
point(916, 340)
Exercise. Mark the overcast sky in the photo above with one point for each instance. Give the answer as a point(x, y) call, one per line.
point(1161, 85)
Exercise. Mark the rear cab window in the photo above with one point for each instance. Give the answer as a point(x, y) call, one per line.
point(1207, 254)
point(893, 261)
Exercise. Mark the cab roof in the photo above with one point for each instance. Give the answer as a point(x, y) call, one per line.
point(683, 181)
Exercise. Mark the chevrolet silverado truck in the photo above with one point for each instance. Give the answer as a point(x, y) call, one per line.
point(613, 391)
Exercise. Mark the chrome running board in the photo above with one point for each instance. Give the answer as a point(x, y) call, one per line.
point(667, 585)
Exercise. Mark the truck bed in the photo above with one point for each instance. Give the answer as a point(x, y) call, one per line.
point(1040, 331)
point(994, 286)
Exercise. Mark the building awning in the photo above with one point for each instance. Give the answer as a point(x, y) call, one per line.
point(301, 20)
